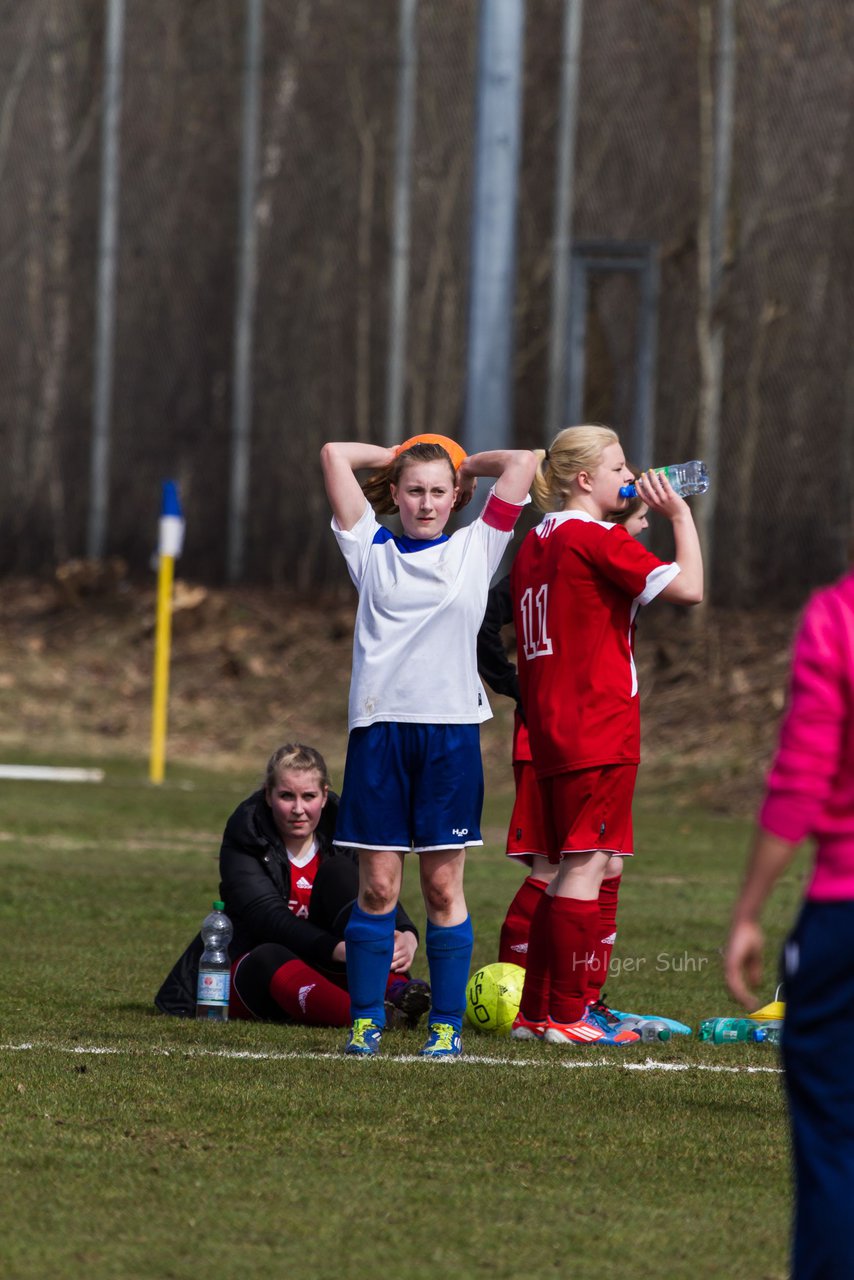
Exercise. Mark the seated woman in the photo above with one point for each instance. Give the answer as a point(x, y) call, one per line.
point(288, 894)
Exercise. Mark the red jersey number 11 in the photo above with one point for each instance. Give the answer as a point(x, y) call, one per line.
point(535, 638)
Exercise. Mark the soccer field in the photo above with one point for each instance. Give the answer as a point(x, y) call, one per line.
point(140, 1146)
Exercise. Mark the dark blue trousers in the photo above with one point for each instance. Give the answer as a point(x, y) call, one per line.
point(818, 1056)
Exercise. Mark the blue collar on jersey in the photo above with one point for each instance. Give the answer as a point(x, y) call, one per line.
point(407, 545)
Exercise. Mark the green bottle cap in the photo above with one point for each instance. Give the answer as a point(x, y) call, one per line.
point(218, 906)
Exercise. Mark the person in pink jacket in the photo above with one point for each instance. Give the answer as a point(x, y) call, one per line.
point(810, 795)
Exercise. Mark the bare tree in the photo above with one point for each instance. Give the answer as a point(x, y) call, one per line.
point(53, 354)
point(366, 127)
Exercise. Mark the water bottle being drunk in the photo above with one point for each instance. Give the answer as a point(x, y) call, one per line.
point(214, 982)
point(686, 479)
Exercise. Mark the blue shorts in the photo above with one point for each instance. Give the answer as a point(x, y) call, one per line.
point(818, 1057)
point(412, 787)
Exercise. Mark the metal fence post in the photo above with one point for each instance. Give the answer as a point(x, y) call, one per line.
point(400, 253)
point(488, 413)
point(105, 319)
point(241, 414)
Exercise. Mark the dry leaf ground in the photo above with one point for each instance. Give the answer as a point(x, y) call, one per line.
point(251, 668)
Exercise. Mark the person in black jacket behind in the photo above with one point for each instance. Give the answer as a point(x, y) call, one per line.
point(288, 894)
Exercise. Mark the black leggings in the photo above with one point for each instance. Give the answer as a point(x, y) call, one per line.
point(335, 889)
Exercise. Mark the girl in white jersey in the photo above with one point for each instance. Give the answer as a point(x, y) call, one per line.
point(413, 780)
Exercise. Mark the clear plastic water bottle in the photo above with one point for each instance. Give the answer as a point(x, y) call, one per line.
point(653, 1029)
point(686, 479)
point(769, 1032)
point(214, 982)
point(649, 1029)
point(727, 1030)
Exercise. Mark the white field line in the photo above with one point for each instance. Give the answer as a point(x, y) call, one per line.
point(49, 773)
point(298, 1055)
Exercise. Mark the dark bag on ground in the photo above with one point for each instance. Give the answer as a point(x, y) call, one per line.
point(178, 993)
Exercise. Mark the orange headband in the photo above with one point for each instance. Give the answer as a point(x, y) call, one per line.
point(456, 451)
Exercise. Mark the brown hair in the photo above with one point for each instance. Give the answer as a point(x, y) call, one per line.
point(633, 509)
point(297, 756)
point(574, 449)
point(376, 488)
point(634, 504)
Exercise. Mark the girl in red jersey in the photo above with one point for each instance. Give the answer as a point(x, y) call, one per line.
point(526, 839)
point(577, 584)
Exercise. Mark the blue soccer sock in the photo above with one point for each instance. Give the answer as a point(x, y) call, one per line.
point(449, 951)
point(370, 950)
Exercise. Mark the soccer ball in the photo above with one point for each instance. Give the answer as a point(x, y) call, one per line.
point(493, 996)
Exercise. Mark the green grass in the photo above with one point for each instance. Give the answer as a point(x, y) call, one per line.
point(164, 1158)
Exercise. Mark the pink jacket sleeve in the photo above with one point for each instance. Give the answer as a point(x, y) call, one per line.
point(811, 736)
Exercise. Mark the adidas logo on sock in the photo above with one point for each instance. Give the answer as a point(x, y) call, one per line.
point(521, 947)
point(304, 993)
point(610, 940)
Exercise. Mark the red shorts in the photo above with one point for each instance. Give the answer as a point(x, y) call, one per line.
point(526, 834)
point(521, 741)
point(587, 809)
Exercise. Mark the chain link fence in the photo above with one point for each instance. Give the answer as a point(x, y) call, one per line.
point(324, 216)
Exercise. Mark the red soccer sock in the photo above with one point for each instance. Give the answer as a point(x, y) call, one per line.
point(513, 941)
point(606, 936)
point(574, 929)
point(535, 993)
point(308, 997)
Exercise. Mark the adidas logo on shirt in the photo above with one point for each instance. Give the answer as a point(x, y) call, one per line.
point(302, 883)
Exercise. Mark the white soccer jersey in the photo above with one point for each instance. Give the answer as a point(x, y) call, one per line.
point(420, 607)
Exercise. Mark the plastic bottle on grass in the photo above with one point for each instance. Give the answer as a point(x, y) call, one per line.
point(214, 983)
point(769, 1032)
point(727, 1030)
point(650, 1030)
point(686, 479)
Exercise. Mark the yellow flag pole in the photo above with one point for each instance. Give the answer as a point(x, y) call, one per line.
point(162, 647)
point(170, 543)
